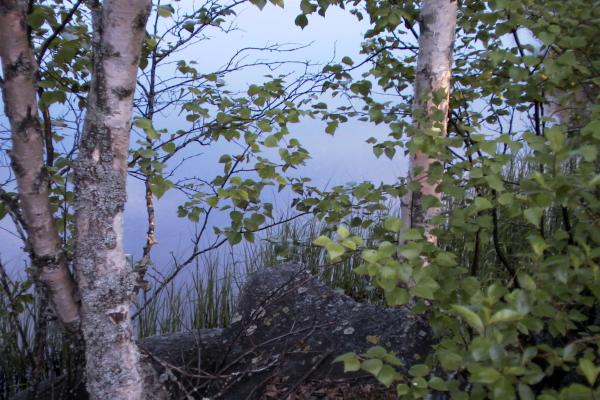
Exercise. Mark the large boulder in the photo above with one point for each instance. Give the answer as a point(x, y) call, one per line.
point(288, 330)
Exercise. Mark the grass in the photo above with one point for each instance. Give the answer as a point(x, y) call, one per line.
point(205, 295)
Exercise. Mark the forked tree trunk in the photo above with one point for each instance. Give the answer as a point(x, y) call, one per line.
point(104, 278)
point(434, 68)
point(27, 157)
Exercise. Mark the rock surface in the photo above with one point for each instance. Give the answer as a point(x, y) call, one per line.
point(289, 329)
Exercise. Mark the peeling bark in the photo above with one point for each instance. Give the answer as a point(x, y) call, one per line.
point(434, 69)
point(104, 277)
point(27, 157)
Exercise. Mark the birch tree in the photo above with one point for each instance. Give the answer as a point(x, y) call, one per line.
point(19, 70)
point(104, 280)
point(430, 107)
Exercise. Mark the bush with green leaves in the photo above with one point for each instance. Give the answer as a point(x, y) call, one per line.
point(512, 289)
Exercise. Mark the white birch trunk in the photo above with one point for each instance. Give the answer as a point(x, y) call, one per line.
point(434, 69)
point(27, 157)
point(104, 278)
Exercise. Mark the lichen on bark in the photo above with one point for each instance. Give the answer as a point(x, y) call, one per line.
point(105, 279)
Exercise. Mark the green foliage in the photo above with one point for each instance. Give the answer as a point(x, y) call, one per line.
point(376, 361)
point(512, 288)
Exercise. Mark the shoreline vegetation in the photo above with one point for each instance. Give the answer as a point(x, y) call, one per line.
point(203, 296)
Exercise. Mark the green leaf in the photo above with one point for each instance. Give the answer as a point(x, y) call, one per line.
point(347, 60)
point(419, 383)
point(343, 232)
point(189, 26)
point(165, 10)
point(481, 203)
point(410, 251)
point(143, 123)
point(335, 250)
point(390, 152)
point(418, 370)
point(569, 352)
point(577, 391)
point(234, 237)
point(534, 215)
point(495, 182)
point(307, 7)
point(391, 359)
point(437, 383)
point(376, 352)
point(485, 375)
point(470, 317)
point(476, 173)
point(349, 244)
point(372, 366)
point(301, 21)
point(589, 370)
point(592, 129)
point(538, 245)
point(589, 153)
point(412, 234)
point(249, 236)
point(271, 141)
point(159, 186)
point(212, 201)
point(169, 147)
point(370, 256)
point(525, 392)
point(322, 241)
point(331, 127)
point(387, 375)
point(426, 288)
point(525, 281)
point(265, 125)
point(506, 315)
point(259, 3)
point(556, 137)
point(445, 260)
point(402, 389)
point(449, 360)
point(504, 390)
point(393, 224)
point(397, 297)
point(50, 97)
point(506, 199)
point(350, 360)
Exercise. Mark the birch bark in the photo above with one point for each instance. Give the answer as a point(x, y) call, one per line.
point(431, 101)
point(19, 84)
point(104, 278)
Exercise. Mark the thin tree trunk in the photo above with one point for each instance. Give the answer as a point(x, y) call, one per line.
point(27, 157)
point(430, 107)
point(104, 277)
